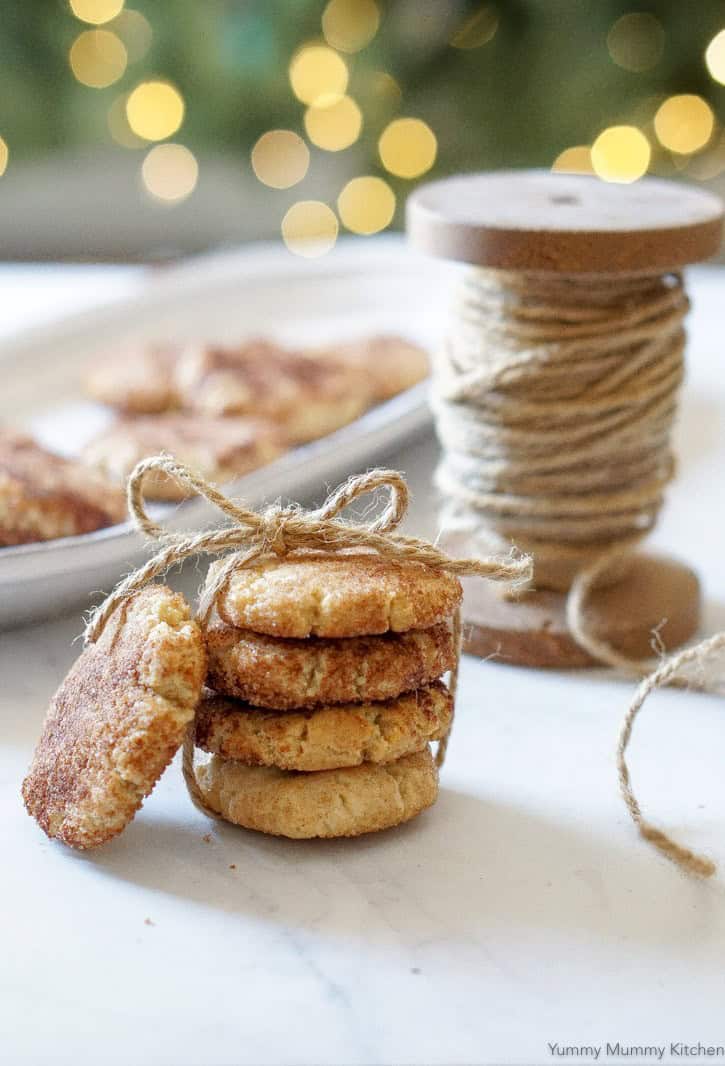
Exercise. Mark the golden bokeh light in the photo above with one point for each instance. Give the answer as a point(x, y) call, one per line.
point(335, 127)
point(97, 58)
point(636, 41)
point(155, 110)
point(366, 205)
point(4, 156)
point(135, 31)
point(574, 160)
point(350, 24)
point(621, 154)
point(385, 89)
point(478, 29)
point(96, 11)
point(309, 228)
point(715, 57)
point(684, 123)
point(318, 75)
point(169, 172)
point(118, 127)
point(280, 159)
point(407, 147)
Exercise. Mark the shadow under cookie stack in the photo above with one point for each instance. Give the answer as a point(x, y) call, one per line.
point(324, 694)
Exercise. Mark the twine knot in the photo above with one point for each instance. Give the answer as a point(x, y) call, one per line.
point(279, 532)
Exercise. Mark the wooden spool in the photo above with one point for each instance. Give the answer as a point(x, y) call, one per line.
point(569, 224)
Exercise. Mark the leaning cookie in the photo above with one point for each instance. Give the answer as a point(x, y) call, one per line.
point(43, 496)
point(220, 449)
point(117, 720)
point(271, 672)
point(392, 363)
point(309, 397)
point(327, 738)
point(337, 596)
point(331, 803)
point(136, 381)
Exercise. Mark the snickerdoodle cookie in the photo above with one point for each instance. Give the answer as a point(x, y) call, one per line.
point(43, 496)
point(331, 803)
point(327, 738)
point(337, 596)
point(309, 397)
point(392, 363)
point(137, 381)
point(220, 449)
point(278, 673)
point(117, 719)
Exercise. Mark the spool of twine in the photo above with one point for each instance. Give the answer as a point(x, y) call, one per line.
point(249, 537)
point(555, 397)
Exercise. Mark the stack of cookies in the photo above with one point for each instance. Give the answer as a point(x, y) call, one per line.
point(324, 692)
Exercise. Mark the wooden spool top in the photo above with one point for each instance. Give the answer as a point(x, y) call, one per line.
point(539, 221)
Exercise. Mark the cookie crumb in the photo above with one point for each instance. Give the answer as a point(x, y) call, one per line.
point(147, 921)
point(207, 838)
point(232, 866)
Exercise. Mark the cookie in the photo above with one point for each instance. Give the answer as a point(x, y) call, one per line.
point(327, 738)
point(138, 381)
point(220, 449)
point(337, 596)
point(43, 496)
point(271, 672)
point(309, 397)
point(331, 803)
point(115, 722)
point(393, 363)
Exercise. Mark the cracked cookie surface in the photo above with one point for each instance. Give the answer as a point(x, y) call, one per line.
point(330, 803)
point(290, 673)
point(44, 496)
point(327, 738)
point(337, 596)
point(116, 721)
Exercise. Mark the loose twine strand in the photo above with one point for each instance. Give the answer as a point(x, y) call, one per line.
point(555, 400)
point(281, 532)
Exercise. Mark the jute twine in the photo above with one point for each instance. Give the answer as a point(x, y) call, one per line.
point(252, 536)
point(555, 400)
point(555, 397)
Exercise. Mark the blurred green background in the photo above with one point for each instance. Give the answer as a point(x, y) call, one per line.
point(158, 127)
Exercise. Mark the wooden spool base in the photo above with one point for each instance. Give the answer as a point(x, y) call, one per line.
point(658, 593)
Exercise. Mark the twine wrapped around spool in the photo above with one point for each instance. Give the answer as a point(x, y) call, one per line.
point(279, 531)
point(555, 393)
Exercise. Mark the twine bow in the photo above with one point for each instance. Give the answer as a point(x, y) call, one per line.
point(282, 531)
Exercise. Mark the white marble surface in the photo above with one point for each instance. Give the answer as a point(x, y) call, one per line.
point(522, 910)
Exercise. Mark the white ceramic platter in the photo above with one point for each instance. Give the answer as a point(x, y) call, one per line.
point(363, 287)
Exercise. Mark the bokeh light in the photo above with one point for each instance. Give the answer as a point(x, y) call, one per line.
point(280, 158)
point(97, 58)
point(118, 127)
point(621, 154)
point(366, 205)
point(385, 89)
point(135, 31)
point(574, 160)
point(636, 41)
point(170, 172)
point(4, 156)
point(684, 123)
point(715, 57)
point(335, 127)
point(309, 228)
point(96, 11)
point(155, 110)
point(407, 147)
point(350, 24)
point(478, 29)
point(318, 75)
point(709, 164)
